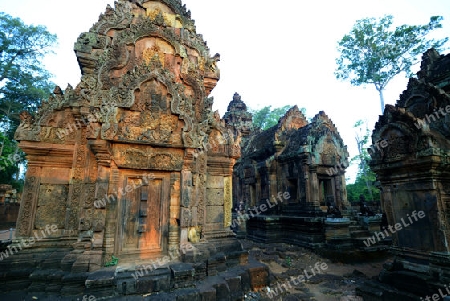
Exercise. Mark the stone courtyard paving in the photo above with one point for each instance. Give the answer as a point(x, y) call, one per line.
point(337, 282)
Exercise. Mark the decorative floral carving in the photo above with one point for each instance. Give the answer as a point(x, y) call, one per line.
point(29, 198)
point(228, 201)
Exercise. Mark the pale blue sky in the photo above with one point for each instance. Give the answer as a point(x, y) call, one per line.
point(272, 52)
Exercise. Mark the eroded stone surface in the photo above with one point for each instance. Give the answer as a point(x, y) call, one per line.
point(414, 181)
point(131, 162)
point(286, 173)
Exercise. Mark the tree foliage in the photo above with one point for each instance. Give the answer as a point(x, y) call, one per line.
point(23, 79)
point(9, 162)
point(373, 53)
point(23, 84)
point(365, 177)
point(358, 188)
point(267, 117)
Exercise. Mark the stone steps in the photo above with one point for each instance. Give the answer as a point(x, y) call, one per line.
point(161, 284)
point(376, 291)
point(230, 285)
point(360, 234)
point(219, 277)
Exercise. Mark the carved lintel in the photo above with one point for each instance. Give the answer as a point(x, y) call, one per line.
point(48, 154)
point(147, 157)
point(220, 165)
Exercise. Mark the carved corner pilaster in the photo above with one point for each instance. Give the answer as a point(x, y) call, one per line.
point(28, 202)
point(102, 151)
point(228, 201)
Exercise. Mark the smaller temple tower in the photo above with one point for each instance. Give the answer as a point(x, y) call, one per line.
point(286, 175)
point(238, 117)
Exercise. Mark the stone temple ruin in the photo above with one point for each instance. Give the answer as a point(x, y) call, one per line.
point(135, 186)
point(289, 184)
point(413, 171)
point(297, 159)
point(132, 164)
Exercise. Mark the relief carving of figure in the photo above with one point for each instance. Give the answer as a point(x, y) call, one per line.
point(212, 69)
point(25, 127)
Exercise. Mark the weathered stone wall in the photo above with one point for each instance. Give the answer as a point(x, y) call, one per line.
point(414, 181)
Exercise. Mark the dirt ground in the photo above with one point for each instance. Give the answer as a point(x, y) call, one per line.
point(335, 282)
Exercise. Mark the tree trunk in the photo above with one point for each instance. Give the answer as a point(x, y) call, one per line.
point(363, 166)
point(368, 184)
point(2, 145)
point(380, 92)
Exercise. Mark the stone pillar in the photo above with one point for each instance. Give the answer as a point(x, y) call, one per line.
point(273, 185)
point(307, 184)
point(228, 200)
point(28, 201)
point(314, 182)
point(187, 213)
point(174, 214)
point(343, 192)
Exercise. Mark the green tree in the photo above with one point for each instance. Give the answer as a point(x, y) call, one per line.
point(354, 190)
point(365, 177)
point(9, 163)
point(267, 117)
point(372, 53)
point(23, 80)
point(260, 117)
point(23, 84)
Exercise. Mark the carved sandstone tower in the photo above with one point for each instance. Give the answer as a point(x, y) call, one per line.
point(295, 159)
point(131, 162)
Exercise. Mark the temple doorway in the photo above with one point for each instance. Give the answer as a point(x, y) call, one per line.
point(143, 220)
point(326, 192)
